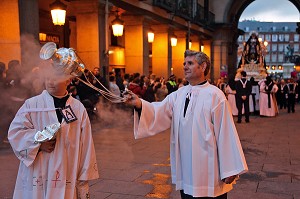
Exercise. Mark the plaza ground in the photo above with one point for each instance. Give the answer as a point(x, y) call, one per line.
point(137, 169)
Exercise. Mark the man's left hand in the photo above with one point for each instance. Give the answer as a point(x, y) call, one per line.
point(229, 180)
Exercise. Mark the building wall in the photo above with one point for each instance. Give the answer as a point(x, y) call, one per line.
point(10, 31)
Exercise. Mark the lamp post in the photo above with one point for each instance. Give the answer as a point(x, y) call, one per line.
point(58, 12)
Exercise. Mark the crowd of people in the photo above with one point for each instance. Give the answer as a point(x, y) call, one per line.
point(52, 129)
point(264, 97)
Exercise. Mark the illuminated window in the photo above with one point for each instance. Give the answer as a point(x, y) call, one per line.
point(296, 37)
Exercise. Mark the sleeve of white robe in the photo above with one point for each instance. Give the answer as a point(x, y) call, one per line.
point(230, 152)
point(155, 117)
point(21, 136)
point(274, 89)
point(88, 168)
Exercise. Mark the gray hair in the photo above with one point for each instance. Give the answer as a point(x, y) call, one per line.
point(200, 57)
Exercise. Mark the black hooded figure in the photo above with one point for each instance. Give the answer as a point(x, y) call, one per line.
point(268, 88)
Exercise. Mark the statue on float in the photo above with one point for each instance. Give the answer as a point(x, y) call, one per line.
point(253, 58)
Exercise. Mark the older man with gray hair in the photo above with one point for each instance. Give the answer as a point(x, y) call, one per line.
point(206, 154)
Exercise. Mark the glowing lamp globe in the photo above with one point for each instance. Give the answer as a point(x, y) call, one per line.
point(58, 12)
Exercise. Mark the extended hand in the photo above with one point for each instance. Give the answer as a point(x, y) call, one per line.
point(132, 99)
point(229, 180)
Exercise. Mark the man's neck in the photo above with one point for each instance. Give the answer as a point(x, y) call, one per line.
point(60, 95)
point(199, 82)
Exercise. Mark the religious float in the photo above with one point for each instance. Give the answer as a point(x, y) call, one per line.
point(253, 58)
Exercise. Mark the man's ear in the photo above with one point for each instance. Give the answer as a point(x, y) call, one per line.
point(68, 81)
point(204, 65)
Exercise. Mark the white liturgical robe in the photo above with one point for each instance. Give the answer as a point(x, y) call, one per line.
point(204, 145)
point(265, 110)
point(45, 175)
point(231, 100)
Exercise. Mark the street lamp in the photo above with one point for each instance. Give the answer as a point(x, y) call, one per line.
point(173, 40)
point(58, 12)
point(263, 49)
point(201, 47)
point(117, 26)
point(150, 36)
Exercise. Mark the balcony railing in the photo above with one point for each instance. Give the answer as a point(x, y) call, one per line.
point(184, 9)
point(187, 9)
point(169, 5)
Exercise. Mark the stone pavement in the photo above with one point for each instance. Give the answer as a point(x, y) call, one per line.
point(137, 169)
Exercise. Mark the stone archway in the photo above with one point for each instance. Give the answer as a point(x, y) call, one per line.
point(232, 14)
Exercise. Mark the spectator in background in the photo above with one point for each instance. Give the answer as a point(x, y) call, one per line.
point(135, 87)
point(73, 91)
point(119, 81)
point(150, 90)
point(99, 78)
point(126, 80)
point(85, 92)
point(161, 91)
point(13, 73)
point(181, 82)
point(152, 78)
point(113, 87)
point(171, 84)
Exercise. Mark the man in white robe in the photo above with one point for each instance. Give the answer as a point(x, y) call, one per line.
point(230, 91)
point(206, 154)
point(61, 167)
point(267, 100)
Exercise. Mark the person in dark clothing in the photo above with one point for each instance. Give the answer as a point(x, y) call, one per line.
point(119, 82)
point(171, 84)
point(280, 95)
point(243, 91)
point(102, 80)
point(149, 94)
point(254, 96)
point(85, 92)
point(291, 93)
